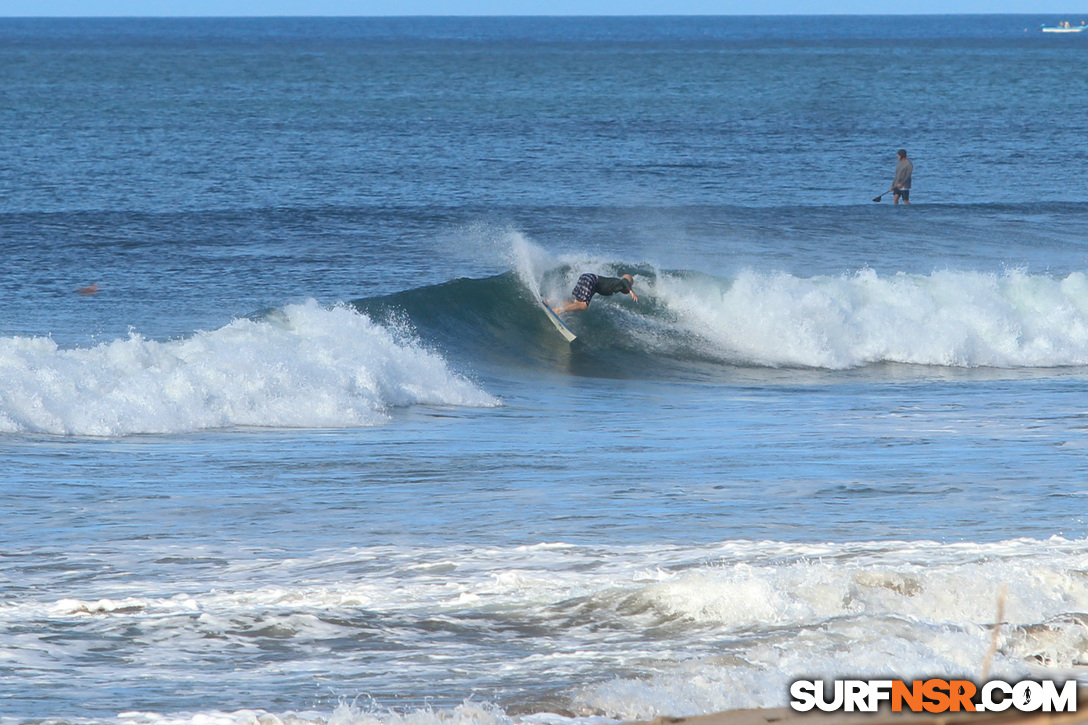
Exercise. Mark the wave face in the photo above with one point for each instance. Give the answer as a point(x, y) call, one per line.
point(302, 367)
point(956, 319)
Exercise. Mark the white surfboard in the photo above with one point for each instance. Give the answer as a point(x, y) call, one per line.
point(563, 329)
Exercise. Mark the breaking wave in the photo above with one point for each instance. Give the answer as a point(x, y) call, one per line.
point(304, 366)
point(949, 319)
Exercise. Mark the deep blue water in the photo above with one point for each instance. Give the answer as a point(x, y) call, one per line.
point(313, 449)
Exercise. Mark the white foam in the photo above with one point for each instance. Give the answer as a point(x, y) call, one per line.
point(898, 610)
point(528, 260)
point(946, 318)
point(308, 367)
point(347, 713)
point(535, 266)
point(685, 630)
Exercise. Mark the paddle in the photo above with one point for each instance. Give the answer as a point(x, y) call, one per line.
point(889, 191)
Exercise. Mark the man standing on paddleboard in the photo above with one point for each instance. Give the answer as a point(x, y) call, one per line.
point(901, 183)
point(591, 284)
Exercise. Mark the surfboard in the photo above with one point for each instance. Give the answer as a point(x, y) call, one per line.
point(563, 329)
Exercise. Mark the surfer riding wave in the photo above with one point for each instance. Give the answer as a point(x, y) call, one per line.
point(590, 284)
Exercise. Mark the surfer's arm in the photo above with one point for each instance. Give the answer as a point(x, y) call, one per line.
point(633, 295)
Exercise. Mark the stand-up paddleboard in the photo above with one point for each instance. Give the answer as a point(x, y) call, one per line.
point(563, 329)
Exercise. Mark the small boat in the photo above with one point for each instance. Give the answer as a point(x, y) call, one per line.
point(1064, 28)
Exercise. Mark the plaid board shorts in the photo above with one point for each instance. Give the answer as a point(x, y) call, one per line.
point(585, 288)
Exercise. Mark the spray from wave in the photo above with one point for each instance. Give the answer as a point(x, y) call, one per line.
point(304, 367)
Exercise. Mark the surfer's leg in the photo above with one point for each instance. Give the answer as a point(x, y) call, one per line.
point(572, 306)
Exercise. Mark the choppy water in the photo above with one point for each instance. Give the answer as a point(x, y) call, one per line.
point(312, 450)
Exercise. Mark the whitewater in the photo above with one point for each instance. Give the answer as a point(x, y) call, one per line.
point(725, 626)
point(313, 367)
point(302, 367)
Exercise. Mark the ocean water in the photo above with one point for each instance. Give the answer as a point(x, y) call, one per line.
point(312, 454)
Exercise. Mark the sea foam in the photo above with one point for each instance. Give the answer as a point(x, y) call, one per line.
point(306, 366)
point(945, 318)
point(688, 630)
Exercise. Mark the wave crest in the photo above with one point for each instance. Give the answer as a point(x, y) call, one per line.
point(946, 318)
point(306, 367)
